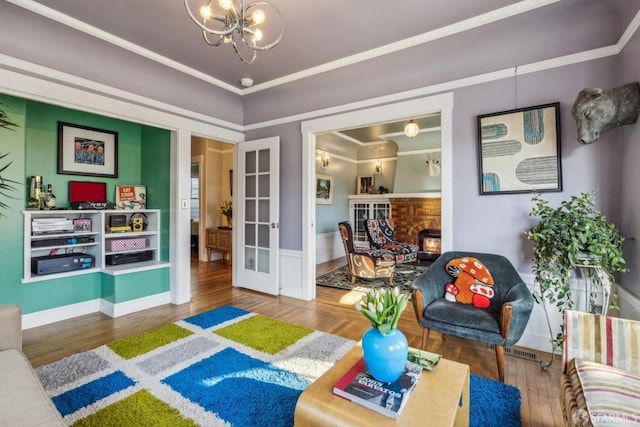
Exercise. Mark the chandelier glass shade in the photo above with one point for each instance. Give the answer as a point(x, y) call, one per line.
point(251, 29)
point(411, 129)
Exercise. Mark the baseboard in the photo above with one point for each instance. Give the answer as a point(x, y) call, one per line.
point(138, 304)
point(44, 317)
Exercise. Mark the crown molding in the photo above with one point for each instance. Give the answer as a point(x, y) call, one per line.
point(439, 33)
point(74, 23)
point(51, 75)
point(458, 27)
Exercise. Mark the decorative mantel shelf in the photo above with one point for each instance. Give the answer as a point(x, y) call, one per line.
point(427, 195)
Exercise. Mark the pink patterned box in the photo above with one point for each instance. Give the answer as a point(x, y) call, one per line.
point(120, 245)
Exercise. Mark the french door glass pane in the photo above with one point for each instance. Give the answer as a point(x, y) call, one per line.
point(250, 234)
point(263, 161)
point(250, 162)
point(263, 210)
point(250, 210)
point(250, 186)
point(263, 260)
point(263, 185)
point(249, 258)
point(263, 236)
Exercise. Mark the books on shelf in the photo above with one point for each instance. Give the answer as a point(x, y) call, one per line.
point(426, 359)
point(388, 399)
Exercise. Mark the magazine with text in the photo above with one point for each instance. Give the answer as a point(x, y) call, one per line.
point(388, 399)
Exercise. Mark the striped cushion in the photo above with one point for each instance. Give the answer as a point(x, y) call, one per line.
point(612, 395)
point(574, 407)
point(607, 340)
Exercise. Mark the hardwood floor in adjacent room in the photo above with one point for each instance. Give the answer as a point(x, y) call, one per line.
point(332, 312)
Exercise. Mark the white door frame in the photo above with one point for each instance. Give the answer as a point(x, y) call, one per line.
point(202, 225)
point(397, 111)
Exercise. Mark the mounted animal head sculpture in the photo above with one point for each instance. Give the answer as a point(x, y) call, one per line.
point(599, 110)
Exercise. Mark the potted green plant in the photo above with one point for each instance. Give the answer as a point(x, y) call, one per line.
point(573, 235)
point(7, 186)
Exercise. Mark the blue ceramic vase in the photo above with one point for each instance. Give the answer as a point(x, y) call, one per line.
point(385, 355)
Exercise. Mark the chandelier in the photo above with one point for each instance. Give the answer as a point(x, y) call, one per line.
point(251, 29)
point(411, 129)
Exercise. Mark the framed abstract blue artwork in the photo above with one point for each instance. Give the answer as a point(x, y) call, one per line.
point(519, 150)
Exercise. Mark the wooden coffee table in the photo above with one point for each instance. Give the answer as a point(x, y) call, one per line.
point(441, 398)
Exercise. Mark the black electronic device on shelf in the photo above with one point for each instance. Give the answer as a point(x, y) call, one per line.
point(51, 264)
point(62, 241)
point(128, 257)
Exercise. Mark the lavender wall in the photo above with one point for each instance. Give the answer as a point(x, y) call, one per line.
point(496, 223)
point(39, 40)
point(493, 223)
point(490, 223)
point(630, 155)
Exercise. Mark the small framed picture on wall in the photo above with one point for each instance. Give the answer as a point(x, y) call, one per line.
point(324, 189)
point(87, 151)
point(366, 185)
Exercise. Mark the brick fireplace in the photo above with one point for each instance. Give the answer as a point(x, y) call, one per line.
point(413, 215)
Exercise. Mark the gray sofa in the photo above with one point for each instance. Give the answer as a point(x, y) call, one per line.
point(23, 401)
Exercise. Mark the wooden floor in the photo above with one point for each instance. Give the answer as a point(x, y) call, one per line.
point(331, 312)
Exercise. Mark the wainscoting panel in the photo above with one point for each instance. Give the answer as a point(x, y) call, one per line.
point(629, 304)
point(291, 274)
point(328, 247)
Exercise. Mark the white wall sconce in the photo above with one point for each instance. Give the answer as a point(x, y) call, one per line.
point(378, 166)
point(324, 160)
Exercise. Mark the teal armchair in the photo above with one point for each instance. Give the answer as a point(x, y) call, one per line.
point(501, 323)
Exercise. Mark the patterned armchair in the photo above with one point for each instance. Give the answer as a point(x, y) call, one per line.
point(366, 263)
point(380, 234)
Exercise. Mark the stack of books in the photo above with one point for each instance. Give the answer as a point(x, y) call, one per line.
point(51, 225)
point(388, 399)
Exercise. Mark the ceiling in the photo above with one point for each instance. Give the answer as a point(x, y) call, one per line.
point(370, 141)
point(319, 35)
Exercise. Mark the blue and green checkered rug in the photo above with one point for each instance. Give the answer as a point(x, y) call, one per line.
point(224, 367)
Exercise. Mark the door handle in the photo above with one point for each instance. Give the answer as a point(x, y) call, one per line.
point(275, 225)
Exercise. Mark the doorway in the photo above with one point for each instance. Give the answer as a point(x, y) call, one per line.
point(369, 168)
point(194, 206)
point(211, 163)
point(442, 104)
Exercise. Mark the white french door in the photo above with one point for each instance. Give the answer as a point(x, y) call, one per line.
point(257, 220)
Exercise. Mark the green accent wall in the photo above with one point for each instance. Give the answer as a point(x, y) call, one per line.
point(126, 287)
point(42, 148)
point(144, 155)
point(156, 174)
point(12, 242)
